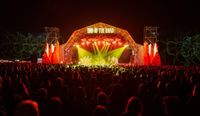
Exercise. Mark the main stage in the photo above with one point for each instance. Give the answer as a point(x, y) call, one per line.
point(97, 44)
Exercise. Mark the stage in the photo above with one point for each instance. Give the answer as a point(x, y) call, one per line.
point(97, 44)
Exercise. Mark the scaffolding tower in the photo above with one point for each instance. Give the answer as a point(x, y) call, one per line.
point(52, 34)
point(151, 34)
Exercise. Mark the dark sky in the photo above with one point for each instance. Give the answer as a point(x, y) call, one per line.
point(32, 16)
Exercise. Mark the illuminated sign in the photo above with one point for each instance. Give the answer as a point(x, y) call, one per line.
point(94, 30)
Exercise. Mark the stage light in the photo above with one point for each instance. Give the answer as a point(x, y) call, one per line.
point(114, 42)
point(87, 42)
point(52, 48)
point(149, 47)
point(117, 52)
point(99, 42)
point(107, 43)
point(47, 49)
point(126, 45)
point(77, 46)
point(83, 43)
point(155, 49)
point(100, 56)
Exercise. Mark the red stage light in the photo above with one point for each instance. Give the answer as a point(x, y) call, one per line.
point(83, 43)
point(107, 43)
point(87, 42)
point(99, 42)
point(114, 42)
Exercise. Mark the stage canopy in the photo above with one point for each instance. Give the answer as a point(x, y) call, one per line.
point(100, 44)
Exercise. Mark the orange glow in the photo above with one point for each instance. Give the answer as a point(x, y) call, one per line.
point(83, 43)
point(99, 42)
point(107, 43)
point(155, 49)
point(149, 49)
point(87, 42)
point(56, 53)
point(52, 48)
point(146, 54)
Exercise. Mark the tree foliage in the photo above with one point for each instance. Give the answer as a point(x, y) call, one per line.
point(185, 50)
point(20, 46)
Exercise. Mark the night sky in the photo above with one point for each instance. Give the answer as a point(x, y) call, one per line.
point(32, 16)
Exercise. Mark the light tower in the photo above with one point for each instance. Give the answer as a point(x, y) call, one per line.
point(52, 34)
point(52, 45)
point(151, 34)
point(150, 44)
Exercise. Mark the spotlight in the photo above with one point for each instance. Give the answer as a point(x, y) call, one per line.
point(114, 42)
point(126, 45)
point(99, 42)
point(87, 42)
point(83, 43)
point(61, 62)
point(107, 43)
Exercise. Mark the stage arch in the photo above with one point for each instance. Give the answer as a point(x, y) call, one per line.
point(101, 43)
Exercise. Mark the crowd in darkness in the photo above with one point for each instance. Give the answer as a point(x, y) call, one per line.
point(28, 89)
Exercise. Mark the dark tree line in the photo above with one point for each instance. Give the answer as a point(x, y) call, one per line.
point(21, 45)
point(181, 50)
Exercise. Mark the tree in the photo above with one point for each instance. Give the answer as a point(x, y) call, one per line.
point(185, 51)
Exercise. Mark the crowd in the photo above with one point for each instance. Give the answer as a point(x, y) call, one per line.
point(70, 90)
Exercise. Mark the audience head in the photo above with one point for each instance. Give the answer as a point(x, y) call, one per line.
point(97, 91)
point(100, 111)
point(27, 108)
point(196, 90)
point(42, 93)
point(58, 82)
point(54, 106)
point(172, 105)
point(102, 99)
point(81, 93)
point(134, 106)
